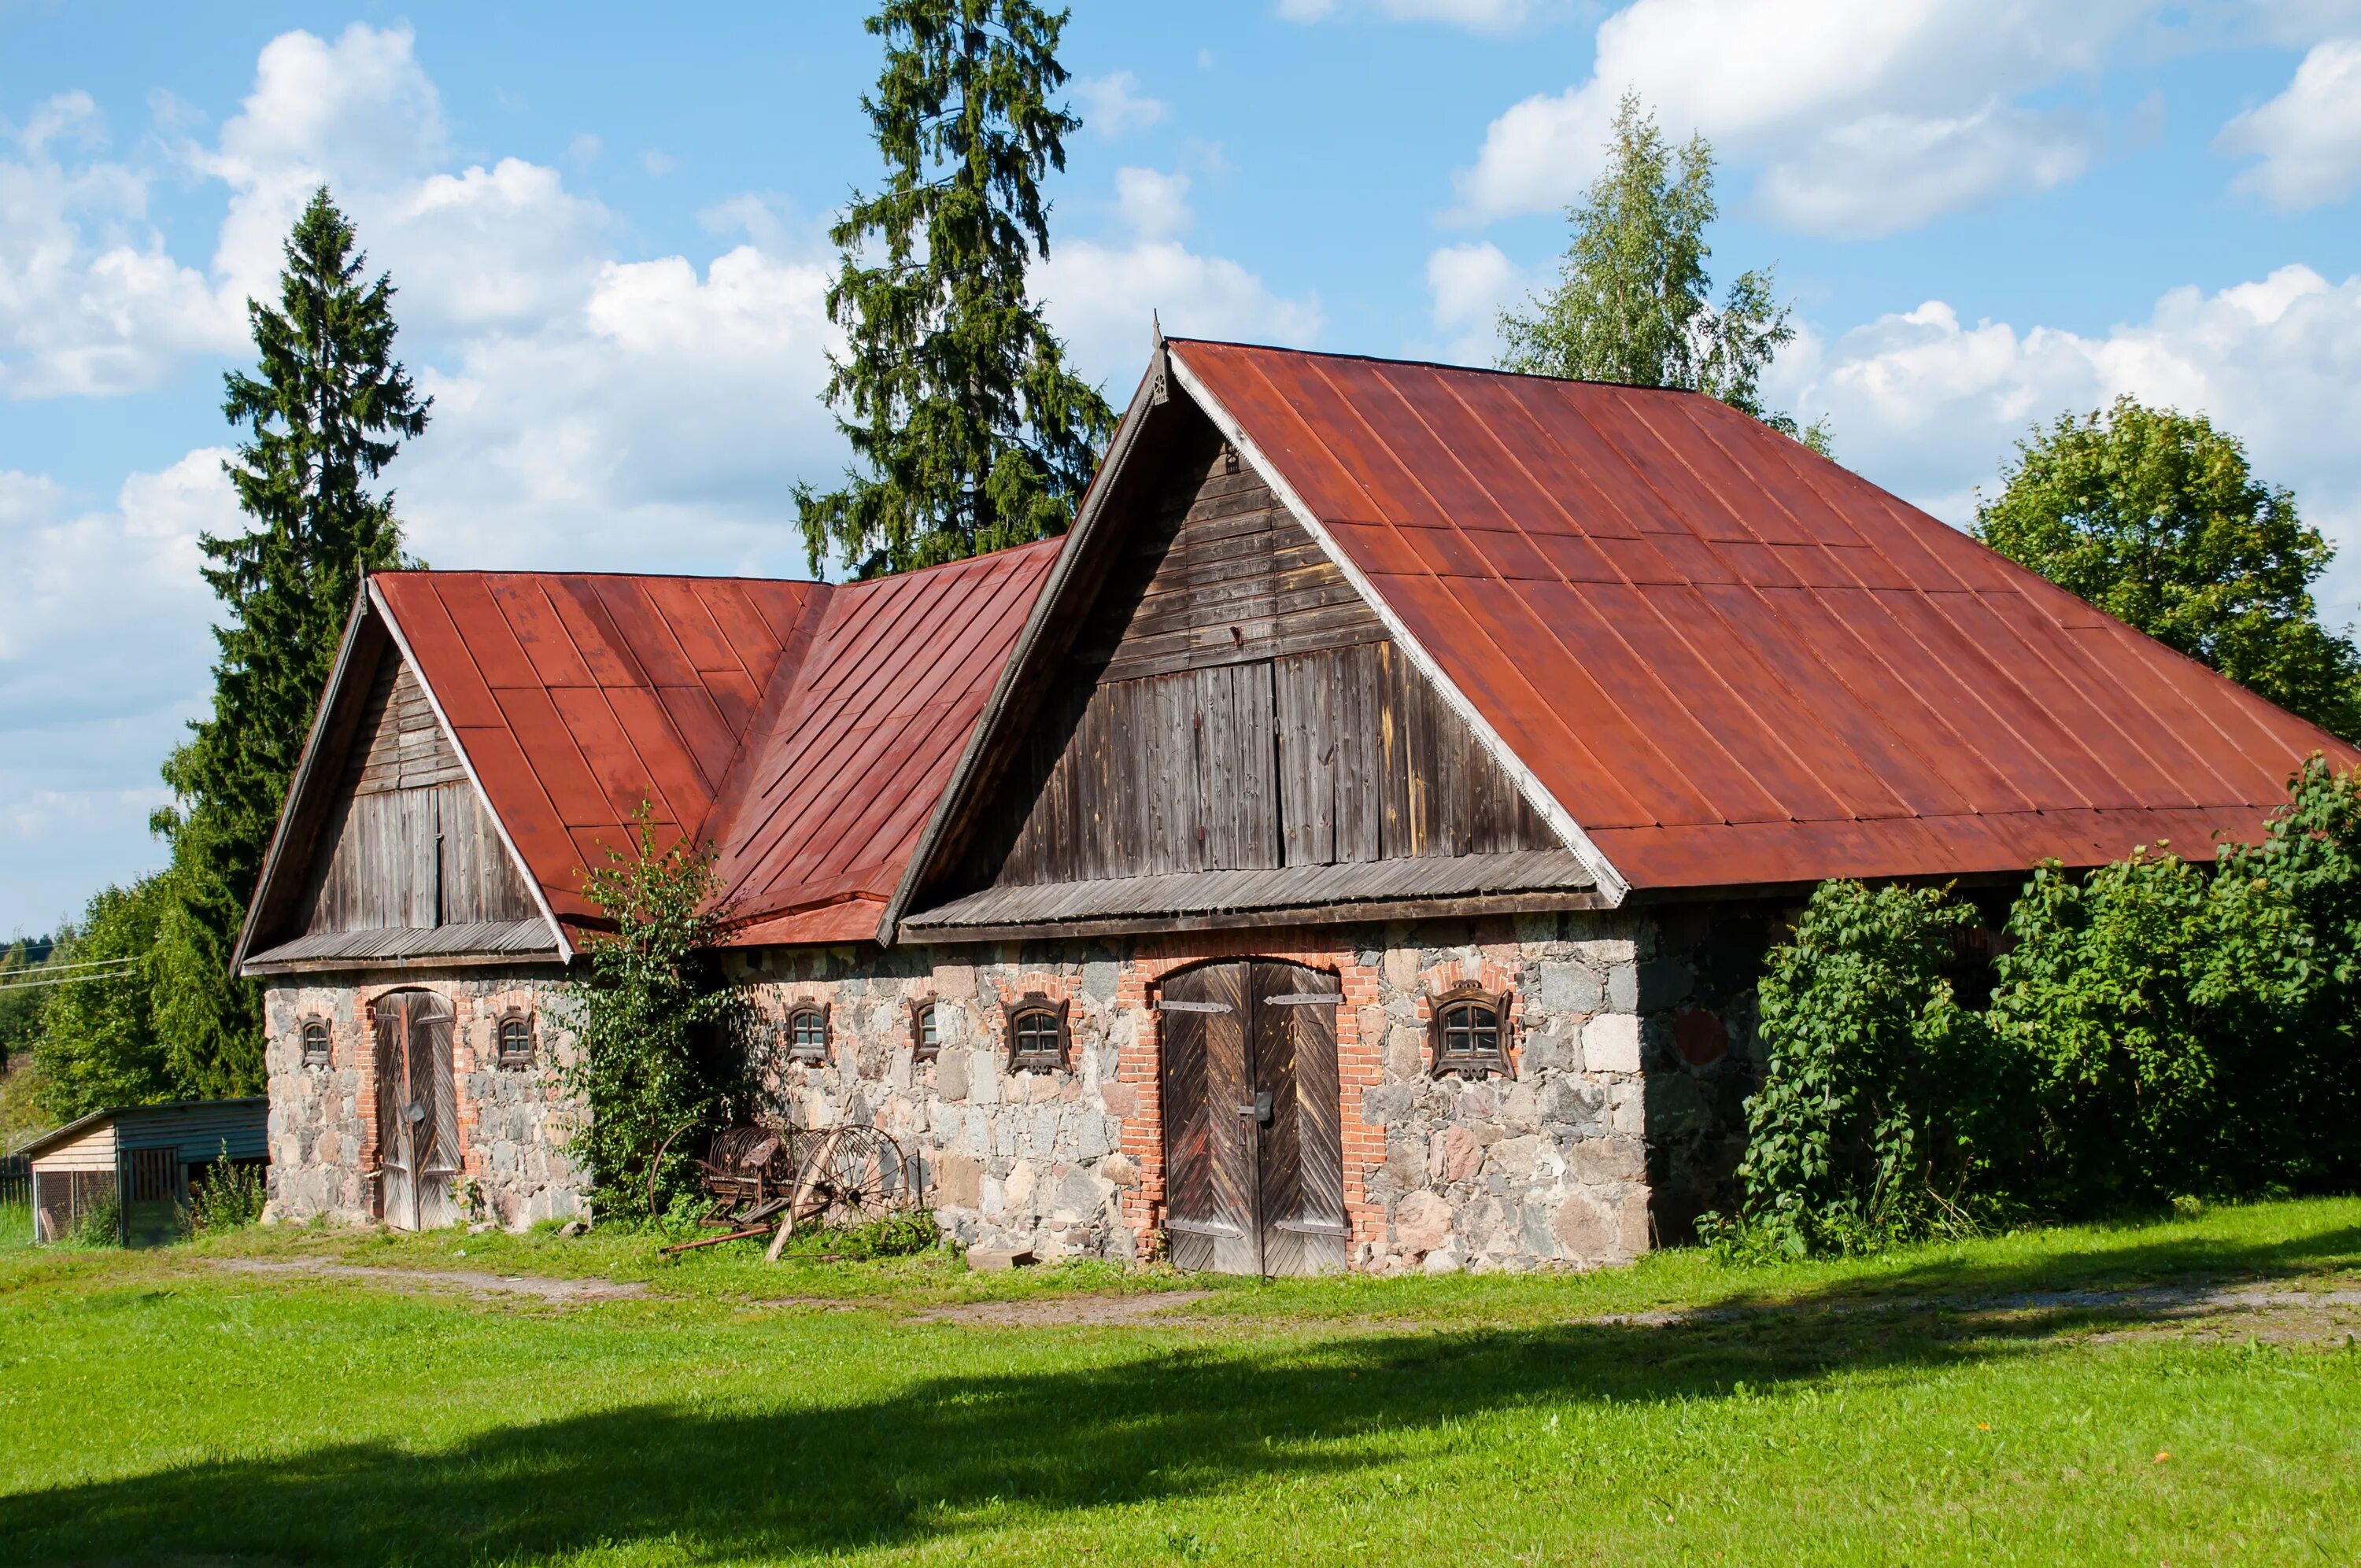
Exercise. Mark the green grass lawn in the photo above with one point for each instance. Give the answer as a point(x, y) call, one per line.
point(1982, 1403)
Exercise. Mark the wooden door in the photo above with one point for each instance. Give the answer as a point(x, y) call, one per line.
point(1254, 1163)
point(417, 1109)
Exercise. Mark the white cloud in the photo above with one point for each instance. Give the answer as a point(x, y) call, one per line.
point(1155, 204)
point(1930, 405)
point(104, 644)
point(90, 302)
point(1113, 105)
point(1866, 116)
point(1468, 286)
point(2308, 138)
point(1099, 295)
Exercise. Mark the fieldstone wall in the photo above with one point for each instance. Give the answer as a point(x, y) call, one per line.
point(1620, 1114)
point(1701, 1054)
point(513, 1122)
point(1543, 1165)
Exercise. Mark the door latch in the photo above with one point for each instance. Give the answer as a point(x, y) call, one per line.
point(1261, 1110)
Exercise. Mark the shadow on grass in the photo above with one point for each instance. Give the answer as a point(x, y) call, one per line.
point(951, 1452)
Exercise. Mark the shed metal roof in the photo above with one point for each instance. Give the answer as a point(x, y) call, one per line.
point(1729, 660)
point(804, 730)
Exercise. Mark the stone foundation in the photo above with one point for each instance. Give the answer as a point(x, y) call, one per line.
point(1633, 1048)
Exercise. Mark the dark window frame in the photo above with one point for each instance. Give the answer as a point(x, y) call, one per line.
point(1034, 1004)
point(515, 1060)
point(926, 1011)
point(797, 1050)
point(326, 1055)
point(1469, 1059)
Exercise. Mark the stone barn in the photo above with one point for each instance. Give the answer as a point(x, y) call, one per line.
point(1353, 845)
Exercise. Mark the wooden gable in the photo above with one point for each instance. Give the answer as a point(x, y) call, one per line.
point(407, 841)
point(1227, 701)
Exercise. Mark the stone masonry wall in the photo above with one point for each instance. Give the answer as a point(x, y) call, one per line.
point(513, 1122)
point(1632, 1041)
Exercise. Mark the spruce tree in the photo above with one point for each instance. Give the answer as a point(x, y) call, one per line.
point(1633, 303)
point(325, 413)
point(970, 431)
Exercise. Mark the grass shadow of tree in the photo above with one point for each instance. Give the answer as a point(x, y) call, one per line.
point(952, 1453)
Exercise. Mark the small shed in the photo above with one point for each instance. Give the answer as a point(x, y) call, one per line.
point(139, 1158)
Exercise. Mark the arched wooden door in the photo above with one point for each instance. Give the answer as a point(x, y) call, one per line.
point(1253, 1149)
point(417, 1109)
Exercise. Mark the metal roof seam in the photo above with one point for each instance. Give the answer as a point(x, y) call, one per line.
point(1671, 698)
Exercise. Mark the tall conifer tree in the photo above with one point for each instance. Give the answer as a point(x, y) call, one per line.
point(325, 413)
point(971, 433)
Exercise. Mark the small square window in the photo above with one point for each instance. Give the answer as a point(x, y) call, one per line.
point(926, 1030)
point(516, 1040)
point(807, 1034)
point(316, 1050)
point(1036, 1033)
point(1467, 1032)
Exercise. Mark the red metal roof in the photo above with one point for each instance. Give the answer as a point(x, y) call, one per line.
point(1731, 661)
point(806, 729)
point(832, 796)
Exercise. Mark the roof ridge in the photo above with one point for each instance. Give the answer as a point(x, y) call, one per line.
point(1445, 365)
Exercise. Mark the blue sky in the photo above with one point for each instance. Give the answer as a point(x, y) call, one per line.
point(609, 229)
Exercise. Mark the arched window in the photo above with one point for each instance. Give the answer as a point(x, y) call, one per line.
point(1467, 1031)
point(1036, 1032)
point(808, 1033)
point(316, 1052)
point(926, 1029)
point(516, 1040)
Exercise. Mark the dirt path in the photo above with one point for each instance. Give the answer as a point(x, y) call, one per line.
point(547, 1288)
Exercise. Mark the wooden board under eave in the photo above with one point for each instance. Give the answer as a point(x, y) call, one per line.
point(1233, 704)
point(407, 841)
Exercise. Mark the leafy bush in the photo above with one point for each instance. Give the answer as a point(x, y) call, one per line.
point(656, 1051)
point(226, 1196)
point(1881, 1093)
point(2156, 1030)
point(101, 1225)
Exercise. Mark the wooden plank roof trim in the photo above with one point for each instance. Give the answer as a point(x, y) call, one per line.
point(1207, 892)
point(487, 938)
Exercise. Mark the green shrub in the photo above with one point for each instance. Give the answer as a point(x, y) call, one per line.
point(226, 1196)
point(101, 1225)
point(2158, 1030)
point(1881, 1093)
point(656, 1053)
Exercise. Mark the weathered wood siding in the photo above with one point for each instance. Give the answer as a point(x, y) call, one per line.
point(95, 1150)
point(412, 843)
point(1233, 704)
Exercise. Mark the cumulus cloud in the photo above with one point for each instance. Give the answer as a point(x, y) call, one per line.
point(1468, 286)
point(1099, 296)
point(2308, 138)
point(91, 302)
point(1866, 116)
point(1930, 405)
point(102, 621)
point(1113, 105)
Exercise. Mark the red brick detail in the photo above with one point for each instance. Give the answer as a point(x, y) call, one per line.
point(1360, 1062)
